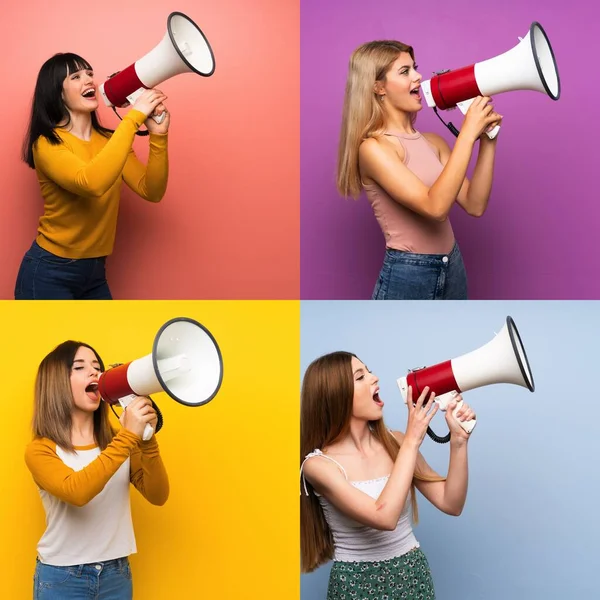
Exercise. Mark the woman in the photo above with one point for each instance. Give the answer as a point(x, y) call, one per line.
point(360, 479)
point(80, 166)
point(411, 179)
point(83, 469)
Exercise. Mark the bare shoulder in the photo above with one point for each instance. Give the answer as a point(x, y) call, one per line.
point(399, 435)
point(320, 470)
point(380, 152)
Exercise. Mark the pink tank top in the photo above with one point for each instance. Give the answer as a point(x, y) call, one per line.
point(403, 228)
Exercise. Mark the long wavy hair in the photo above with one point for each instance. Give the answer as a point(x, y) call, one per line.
point(325, 411)
point(48, 108)
point(363, 116)
point(53, 399)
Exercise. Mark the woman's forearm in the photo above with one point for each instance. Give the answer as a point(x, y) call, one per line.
point(444, 191)
point(392, 499)
point(481, 182)
point(455, 489)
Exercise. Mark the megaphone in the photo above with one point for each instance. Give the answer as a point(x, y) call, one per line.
point(185, 362)
point(530, 65)
point(183, 49)
point(503, 360)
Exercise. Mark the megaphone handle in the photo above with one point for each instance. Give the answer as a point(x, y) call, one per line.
point(469, 425)
point(135, 95)
point(148, 431)
point(464, 107)
point(444, 399)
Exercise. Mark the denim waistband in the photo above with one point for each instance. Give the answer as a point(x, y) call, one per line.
point(424, 259)
point(114, 564)
point(37, 252)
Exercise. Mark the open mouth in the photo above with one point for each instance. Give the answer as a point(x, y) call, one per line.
point(92, 391)
point(376, 398)
point(416, 92)
point(89, 94)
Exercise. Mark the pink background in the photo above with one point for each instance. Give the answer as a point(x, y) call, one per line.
point(228, 226)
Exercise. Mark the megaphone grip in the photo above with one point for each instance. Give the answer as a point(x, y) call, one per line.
point(148, 431)
point(469, 425)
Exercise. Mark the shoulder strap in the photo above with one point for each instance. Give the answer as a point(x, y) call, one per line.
point(312, 454)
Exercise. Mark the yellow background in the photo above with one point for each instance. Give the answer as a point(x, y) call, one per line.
point(230, 527)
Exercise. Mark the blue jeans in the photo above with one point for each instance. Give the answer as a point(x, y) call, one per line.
point(409, 276)
point(110, 580)
point(45, 276)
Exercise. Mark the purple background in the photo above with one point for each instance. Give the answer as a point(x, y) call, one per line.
point(537, 239)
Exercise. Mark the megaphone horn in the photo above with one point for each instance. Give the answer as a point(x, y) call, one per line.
point(183, 49)
point(185, 362)
point(530, 65)
point(502, 360)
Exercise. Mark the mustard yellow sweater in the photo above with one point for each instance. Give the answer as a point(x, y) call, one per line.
point(81, 182)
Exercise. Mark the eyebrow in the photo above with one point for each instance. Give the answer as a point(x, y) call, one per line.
point(80, 360)
point(408, 66)
point(360, 370)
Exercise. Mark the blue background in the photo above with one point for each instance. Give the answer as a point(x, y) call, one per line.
point(530, 528)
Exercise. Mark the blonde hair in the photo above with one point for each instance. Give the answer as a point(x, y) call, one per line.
point(363, 116)
point(325, 411)
point(53, 399)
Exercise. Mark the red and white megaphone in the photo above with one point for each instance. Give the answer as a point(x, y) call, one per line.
point(530, 65)
point(503, 360)
point(183, 49)
point(185, 362)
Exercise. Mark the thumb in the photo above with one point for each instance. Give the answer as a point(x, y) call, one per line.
point(451, 406)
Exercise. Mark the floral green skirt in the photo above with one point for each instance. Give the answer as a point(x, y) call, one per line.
point(406, 577)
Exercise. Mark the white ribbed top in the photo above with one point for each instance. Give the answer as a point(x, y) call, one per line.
point(99, 531)
point(354, 541)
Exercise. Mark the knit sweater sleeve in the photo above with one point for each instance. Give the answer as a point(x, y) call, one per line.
point(77, 487)
point(93, 178)
point(148, 473)
point(149, 181)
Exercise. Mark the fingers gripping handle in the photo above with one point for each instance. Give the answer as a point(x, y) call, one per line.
point(135, 95)
point(148, 430)
point(464, 107)
point(445, 399)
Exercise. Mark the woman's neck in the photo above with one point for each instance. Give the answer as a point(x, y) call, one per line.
point(82, 428)
point(359, 438)
point(399, 121)
point(80, 125)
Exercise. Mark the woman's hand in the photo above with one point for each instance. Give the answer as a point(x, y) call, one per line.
point(137, 415)
point(419, 415)
point(464, 414)
point(161, 128)
point(149, 101)
point(480, 118)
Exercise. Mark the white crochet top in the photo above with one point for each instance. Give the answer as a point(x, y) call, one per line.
point(354, 541)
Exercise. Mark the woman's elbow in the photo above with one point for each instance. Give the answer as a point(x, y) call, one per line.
point(159, 499)
point(438, 215)
point(454, 511)
point(476, 212)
